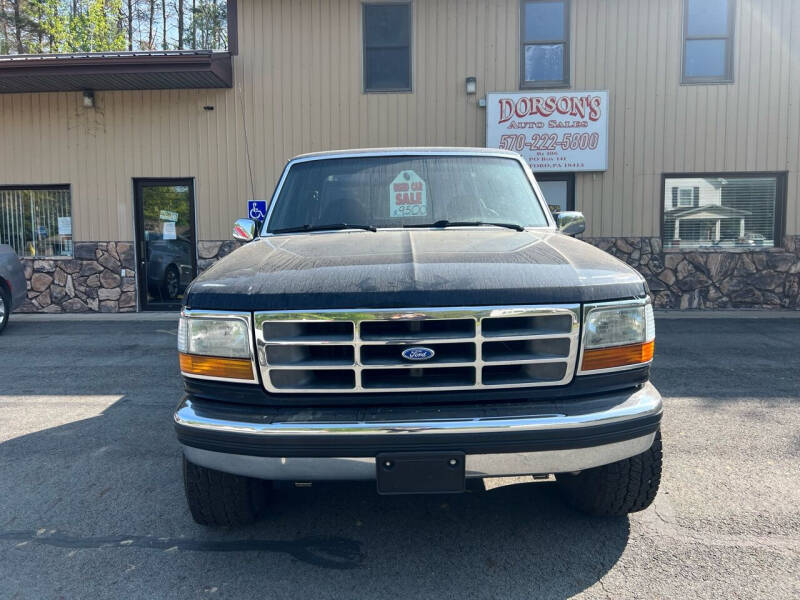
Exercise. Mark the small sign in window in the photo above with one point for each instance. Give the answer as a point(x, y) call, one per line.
point(168, 233)
point(408, 196)
point(64, 225)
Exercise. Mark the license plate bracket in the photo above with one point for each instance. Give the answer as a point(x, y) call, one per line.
point(420, 472)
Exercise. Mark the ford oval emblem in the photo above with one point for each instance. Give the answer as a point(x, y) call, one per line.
point(418, 353)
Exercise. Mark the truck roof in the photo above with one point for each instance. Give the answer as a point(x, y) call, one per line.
point(405, 151)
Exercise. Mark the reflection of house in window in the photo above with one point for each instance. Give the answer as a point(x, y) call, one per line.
point(719, 211)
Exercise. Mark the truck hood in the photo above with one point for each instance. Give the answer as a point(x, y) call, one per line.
point(412, 268)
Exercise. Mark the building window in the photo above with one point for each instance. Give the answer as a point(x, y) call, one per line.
point(723, 211)
point(387, 47)
point(708, 41)
point(37, 221)
point(544, 41)
point(558, 190)
point(685, 197)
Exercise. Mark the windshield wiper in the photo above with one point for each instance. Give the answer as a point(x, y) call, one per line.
point(329, 227)
point(446, 223)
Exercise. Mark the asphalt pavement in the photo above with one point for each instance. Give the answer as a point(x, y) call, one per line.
point(91, 499)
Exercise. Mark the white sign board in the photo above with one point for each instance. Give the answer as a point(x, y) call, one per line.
point(168, 215)
point(408, 196)
point(553, 131)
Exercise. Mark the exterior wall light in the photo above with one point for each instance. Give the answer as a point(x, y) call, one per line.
point(88, 99)
point(472, 86)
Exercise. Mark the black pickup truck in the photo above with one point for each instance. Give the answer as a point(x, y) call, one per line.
point(416, 317)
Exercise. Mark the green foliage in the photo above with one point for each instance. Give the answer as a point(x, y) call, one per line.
point(68, 26)
point(93, 27)
point(207, 25)
point(173, 198)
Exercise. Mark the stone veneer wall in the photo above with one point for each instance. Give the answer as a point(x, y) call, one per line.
point(707, 279)
point(703, 279)
point(90, 281)
point(209, 252)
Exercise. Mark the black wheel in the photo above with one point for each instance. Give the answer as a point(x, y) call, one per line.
point(171, 285)
point(5, 307)
point(217, 498)
point(617, 489)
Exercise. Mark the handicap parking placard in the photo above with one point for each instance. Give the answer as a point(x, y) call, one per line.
point(257, 209)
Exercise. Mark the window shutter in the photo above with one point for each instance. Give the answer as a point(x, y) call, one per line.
point(675, 197)
point(697, 196)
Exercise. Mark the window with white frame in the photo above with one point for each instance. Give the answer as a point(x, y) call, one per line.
point(741, 210)
point(37, 220)
point(685, 196)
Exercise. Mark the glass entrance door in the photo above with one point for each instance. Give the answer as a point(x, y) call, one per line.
point(165, 241)
point(558, 190)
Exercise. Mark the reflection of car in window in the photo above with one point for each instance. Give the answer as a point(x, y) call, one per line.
point(416, 317)
point(169, 266)
point(752, 239)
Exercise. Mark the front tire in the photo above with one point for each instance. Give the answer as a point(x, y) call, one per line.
point(617, 489)
point(217, 498)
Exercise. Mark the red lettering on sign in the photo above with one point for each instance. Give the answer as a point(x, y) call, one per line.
point(408, 198)
point(400, 187)
point(531, 106)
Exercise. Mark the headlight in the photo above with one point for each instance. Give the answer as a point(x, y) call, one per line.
point(214, 337)
point(617, 336)
point(215, 346)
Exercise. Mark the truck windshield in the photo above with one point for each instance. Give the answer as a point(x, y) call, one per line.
point(405, 191)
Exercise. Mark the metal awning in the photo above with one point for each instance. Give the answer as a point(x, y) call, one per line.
point(177, 69)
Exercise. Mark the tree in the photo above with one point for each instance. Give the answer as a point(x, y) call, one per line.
point(4, 31)
point(129, 17)
point(103, 26)
point(208, 25)
point(181, 17)
point(18, 25)
point(164, 25)
point(63, 26)
point(90, 26)
point(150, 31)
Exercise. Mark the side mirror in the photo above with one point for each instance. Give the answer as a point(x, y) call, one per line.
point(571, 222)
point(244, 230)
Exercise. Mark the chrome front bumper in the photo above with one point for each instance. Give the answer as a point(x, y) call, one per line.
point(359, 467)
point(578, 436)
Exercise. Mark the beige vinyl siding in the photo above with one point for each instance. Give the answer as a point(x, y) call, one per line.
point(298, 88)
point(661, 126)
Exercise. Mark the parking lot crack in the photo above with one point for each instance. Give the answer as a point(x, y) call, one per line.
point(325, 552)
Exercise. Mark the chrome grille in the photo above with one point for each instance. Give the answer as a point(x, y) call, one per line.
point(343, 351)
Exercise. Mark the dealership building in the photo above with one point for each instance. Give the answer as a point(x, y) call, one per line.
point(673, 125)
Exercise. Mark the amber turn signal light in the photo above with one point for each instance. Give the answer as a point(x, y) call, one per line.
point(618, 356)
point(213, 366)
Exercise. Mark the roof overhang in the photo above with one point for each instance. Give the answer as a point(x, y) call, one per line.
point(708, 211)
point(116, 71)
